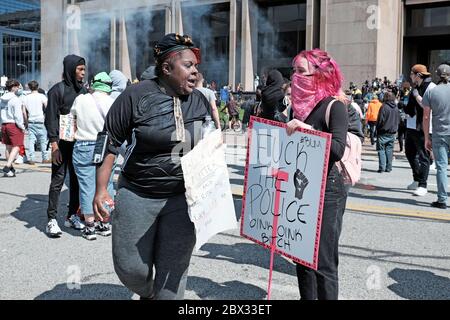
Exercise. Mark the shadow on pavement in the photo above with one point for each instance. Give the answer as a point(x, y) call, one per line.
point(94, 292)
point(237, 207)
point(248, 254)
point(419, 285)
point(230, 290)
point(33, 211)
point(240, 170)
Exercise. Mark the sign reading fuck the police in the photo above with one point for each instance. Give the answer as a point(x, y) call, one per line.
point(285, 180)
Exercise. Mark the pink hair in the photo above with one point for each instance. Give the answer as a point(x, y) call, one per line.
point(327, 74)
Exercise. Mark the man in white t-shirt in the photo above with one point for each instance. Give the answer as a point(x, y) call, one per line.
point(209, 94)
point(34, 105)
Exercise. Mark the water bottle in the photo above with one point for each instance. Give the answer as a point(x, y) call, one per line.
point(108, 206)
point(208, 126)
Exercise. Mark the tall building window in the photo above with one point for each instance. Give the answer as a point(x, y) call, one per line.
point(20, 53)
point(281, 33)
point(93, 43)
point(144, 28)
point(209, 27)
point(430, 17)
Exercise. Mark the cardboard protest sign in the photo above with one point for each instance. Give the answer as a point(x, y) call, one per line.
point(208, 189)
point(285, 180)
point(67, 127)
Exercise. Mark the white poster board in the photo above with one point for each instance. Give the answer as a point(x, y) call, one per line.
point(208, 189)
point(284, 188)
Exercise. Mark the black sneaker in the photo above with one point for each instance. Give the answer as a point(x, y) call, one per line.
point(439, 205)
point(89, 233)
point(103, 229)
point(9, 172)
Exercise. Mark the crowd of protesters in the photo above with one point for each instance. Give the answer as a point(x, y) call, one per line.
point(141, 119)
point(405, 110)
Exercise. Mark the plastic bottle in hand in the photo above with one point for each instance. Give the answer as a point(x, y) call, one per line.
point(208, 126)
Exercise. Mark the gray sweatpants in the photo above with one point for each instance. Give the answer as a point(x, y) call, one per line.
point(151, 233)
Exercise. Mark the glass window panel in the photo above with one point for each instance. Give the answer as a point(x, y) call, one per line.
point(430, 17)
point(209, 27)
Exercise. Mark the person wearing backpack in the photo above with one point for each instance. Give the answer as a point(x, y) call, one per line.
point(387, 126)
point(90, 111)
point(317, 79)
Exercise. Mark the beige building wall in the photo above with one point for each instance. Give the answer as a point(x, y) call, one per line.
point(52, 42)
point(347, 36)
point(389, 40)
point(364, 36)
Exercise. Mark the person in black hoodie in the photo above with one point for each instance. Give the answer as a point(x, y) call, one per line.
point(60, 99)
point(387, 126)
point(272, 97)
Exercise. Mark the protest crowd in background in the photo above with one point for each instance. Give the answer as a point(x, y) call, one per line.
point(65, 126)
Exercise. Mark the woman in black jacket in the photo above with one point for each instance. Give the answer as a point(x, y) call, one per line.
point(151, 224)
point(316, 81)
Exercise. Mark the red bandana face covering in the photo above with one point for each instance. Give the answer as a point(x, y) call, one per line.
point(304, 96)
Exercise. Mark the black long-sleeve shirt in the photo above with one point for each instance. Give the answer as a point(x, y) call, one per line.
point(413, 108)
point(338, 127)
point(144, 116)
point(60, 101)
point(388, 119)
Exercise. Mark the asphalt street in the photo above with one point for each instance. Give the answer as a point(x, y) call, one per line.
point(393, 245)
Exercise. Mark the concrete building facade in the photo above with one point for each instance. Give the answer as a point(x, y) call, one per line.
point(241, 38)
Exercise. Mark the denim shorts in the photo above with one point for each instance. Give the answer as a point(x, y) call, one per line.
point(85, 170)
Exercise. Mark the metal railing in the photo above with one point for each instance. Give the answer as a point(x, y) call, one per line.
point(20, 54)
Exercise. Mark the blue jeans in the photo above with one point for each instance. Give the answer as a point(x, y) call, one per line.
point(385, 148)
point(37, 131)
point(441, 146)
point(83, 153)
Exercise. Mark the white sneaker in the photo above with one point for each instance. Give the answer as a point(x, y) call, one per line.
point(74, 222)
point(19, 160)
point(413, 186)
point(420, 192)
point(53, 229)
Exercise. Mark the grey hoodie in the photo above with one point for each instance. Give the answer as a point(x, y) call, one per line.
point(11, 109)
point(119, 83)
